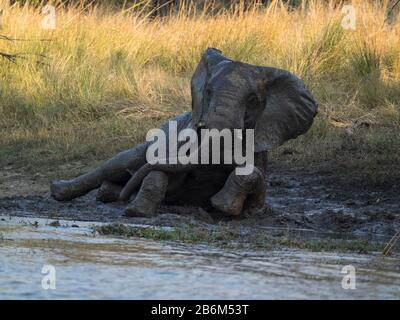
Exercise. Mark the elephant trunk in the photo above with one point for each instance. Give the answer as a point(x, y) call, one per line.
point(139, 175)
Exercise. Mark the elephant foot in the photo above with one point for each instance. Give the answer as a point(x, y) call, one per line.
point(225, 203)
point(150, 196)
point(240, 190)
point(61, 190)
point(255, 203)
point(108, 192)
point(141, 208)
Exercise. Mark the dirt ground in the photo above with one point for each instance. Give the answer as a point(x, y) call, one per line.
point(313, 201)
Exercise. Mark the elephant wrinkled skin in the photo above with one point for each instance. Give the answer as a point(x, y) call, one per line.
point(226, 94)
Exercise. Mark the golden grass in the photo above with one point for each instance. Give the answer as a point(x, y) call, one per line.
point(109, 76)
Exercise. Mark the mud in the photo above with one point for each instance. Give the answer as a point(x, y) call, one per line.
point(317, 202)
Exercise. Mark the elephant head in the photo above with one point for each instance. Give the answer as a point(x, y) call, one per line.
point(235, 95)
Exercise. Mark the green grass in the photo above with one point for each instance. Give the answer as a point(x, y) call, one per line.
point(223, 236)
point(187, 234)
point(55, 224)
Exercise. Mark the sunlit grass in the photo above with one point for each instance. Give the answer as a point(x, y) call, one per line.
point(109, 76)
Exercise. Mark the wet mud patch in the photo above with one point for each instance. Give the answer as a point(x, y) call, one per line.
point(307, 202)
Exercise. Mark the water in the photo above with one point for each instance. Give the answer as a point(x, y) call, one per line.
point(90, 266)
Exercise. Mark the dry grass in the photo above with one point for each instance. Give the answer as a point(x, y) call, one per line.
point(110, 76)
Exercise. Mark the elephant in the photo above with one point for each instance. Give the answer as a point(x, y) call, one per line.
point(226, 94)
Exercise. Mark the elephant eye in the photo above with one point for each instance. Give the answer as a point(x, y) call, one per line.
point(207, 96)
point(252, 101)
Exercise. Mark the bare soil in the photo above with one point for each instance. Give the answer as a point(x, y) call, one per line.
point(318, 202)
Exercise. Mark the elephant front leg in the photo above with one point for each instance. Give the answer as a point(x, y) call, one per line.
point(238, 189)
point(108, 192)
point(150, 195)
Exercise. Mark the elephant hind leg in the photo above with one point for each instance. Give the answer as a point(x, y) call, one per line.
point(62, 190)
point(114, 170)
point(66, 190)
point(150, 196)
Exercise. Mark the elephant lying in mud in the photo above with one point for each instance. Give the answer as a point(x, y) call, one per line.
point(226, 94)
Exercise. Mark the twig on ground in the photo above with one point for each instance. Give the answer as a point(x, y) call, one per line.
point(8, 56)
point(391, 244)
point(391, 10)
point(13, 57)
point(7, 38)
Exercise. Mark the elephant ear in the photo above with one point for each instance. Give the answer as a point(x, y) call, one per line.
point(289, 109)
point(211, 61)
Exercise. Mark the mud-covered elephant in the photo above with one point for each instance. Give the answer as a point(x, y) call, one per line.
point(226, 94)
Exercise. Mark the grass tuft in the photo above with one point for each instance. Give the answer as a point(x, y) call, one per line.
point(223, 236)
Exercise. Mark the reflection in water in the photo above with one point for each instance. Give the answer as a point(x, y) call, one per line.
point(95, 267)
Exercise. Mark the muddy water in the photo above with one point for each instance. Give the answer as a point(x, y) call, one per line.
point(96, 267)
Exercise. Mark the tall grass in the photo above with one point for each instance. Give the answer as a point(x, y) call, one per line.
point(109, 76)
